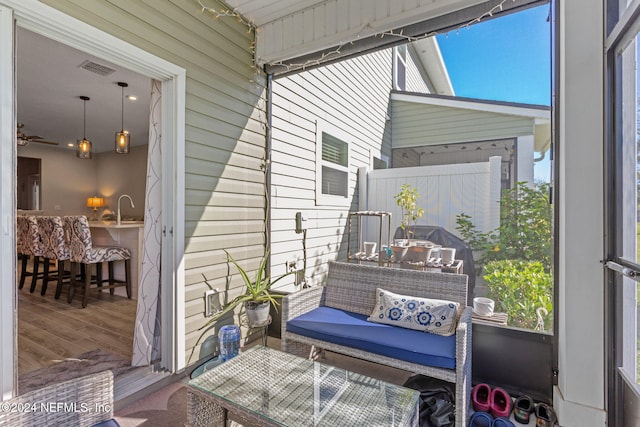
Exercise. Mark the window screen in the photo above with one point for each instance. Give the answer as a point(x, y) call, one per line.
point(335, 152)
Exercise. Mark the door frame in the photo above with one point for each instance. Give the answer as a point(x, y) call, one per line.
point(49, 22)
point(623, 392)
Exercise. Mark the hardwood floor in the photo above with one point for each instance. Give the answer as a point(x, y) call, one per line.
point(51, 330)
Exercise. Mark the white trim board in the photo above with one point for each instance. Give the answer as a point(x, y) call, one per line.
point(8, 306)
point(490, 107)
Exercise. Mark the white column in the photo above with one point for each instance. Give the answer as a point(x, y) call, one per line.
point(495, 191)
point(8, 316)
point(579, 397)
point(524, 161)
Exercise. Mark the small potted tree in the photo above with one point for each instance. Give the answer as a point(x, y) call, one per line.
point(257, 296)
point(407, 200)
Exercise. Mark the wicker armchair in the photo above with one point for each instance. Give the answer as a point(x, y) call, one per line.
point(83, 401)
point(351, 287)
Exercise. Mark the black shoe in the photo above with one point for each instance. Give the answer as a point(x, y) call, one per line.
point(545, 415)
point(522, 409)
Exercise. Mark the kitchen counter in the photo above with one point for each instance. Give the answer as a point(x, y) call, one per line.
point(114, 224)
point(127, 235)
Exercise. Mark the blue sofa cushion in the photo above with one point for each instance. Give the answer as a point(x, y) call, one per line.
point(353, 330)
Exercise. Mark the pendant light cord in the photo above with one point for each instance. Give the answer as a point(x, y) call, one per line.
point(122, 110)
point(84, 119)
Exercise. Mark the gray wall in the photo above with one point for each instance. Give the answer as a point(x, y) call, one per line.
point(67, 181)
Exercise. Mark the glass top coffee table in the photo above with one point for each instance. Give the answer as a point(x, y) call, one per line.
point(266, 387)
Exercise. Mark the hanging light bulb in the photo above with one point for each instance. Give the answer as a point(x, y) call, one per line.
point(122, 137)
point(83, 146)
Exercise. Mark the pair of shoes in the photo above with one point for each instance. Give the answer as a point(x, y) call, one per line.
point(545, 415)
point(497, 401)
point(483, 419)
point(523, 408)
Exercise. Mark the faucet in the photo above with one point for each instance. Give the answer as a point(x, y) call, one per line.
point(120, 198)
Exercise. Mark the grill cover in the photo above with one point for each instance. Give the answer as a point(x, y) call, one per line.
point(440, 236)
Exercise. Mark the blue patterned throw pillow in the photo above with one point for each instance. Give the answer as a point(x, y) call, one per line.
point(423, 314)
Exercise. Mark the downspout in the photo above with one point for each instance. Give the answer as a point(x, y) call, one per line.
point(267, 190)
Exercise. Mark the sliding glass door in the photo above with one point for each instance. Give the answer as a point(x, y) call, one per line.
point(623, 212)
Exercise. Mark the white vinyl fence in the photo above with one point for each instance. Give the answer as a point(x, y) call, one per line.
point(445, 191)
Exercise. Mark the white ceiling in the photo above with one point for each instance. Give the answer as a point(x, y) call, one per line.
point(261, 12)
point(294, 28)
point(49, 83)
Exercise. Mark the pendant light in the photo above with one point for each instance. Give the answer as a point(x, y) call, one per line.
point(122, 137)
point(83, 146)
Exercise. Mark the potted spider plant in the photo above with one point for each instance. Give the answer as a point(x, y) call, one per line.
point(257, 297)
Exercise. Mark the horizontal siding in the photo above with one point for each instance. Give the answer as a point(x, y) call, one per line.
point(225, 133)
point(353, 96)
point(416, 79)
point(417, 124)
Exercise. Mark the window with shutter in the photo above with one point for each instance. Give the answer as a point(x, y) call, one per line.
point(332, 168)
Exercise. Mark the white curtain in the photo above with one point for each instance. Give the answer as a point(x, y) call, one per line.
point(146, 337)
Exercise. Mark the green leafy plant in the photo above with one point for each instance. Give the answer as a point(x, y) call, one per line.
point(520, 288)
point(477, 240)
point(525, 228)
point(257, 290)
point(407, 200)
point(515, 258)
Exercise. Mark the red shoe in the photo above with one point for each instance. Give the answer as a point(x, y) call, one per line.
point(500, 403)
point(480, 397)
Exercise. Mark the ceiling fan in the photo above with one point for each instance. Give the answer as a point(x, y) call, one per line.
point(24, 140)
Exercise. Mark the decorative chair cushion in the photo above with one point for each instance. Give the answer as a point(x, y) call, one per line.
point(58, 241)
point(107, 253)
point(33, 237)
point(82, 250)
point(422, 314)
point(52, 237)
point(22, 234)
point(353, 330)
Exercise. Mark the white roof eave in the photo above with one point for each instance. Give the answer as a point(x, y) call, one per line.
point(428, 52)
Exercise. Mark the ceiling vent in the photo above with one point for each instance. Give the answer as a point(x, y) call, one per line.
point(96, 68)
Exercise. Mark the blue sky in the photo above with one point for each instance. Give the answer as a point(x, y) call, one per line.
point(503, 59)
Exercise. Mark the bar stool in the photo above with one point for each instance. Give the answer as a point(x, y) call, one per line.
point(84, 253)
point(55, 248)
point(23, 248)
point(45, 232)
point(35, 246)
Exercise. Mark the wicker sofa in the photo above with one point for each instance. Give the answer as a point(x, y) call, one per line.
point(81, 402)
point(350, 293)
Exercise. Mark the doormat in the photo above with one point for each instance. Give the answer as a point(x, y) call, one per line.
point(73, 367)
